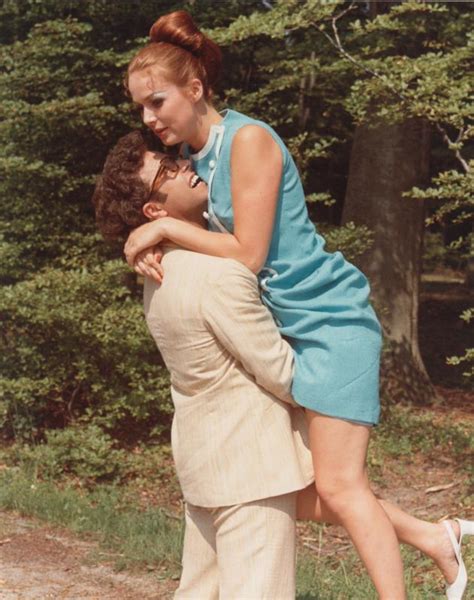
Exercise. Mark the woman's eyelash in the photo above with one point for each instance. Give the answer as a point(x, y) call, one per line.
point(155, 102)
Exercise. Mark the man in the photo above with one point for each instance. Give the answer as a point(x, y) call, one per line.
point(238, 440)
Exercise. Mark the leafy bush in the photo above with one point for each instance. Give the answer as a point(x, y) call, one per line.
point(350, 239)
point(76, 345)
point(83, 451)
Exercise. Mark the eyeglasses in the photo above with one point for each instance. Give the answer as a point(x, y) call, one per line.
point(168, 168)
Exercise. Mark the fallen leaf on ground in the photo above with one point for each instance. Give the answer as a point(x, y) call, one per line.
point(440, 488)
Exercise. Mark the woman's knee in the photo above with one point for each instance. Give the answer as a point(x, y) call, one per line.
point(341, 491)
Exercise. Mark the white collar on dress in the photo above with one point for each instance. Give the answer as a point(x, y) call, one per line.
point(213, 132)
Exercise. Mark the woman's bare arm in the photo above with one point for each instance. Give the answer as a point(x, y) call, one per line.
point(256, 166)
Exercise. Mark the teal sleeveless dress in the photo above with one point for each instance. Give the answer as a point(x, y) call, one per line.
point(319, 300)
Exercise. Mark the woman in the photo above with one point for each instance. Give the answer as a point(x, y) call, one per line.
point(257, 215)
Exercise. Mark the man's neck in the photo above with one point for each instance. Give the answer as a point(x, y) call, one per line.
point(195, 218)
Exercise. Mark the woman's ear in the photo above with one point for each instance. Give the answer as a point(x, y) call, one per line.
point(195, 90)
point(154, 210)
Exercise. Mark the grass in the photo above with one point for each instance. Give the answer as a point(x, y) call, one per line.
point(343, 578)
point(147, 537)
point(403, 431)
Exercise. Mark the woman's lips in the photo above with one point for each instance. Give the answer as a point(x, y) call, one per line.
point(159, 132)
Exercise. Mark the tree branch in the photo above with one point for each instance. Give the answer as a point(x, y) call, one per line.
point(450, 143)
point(336, 43)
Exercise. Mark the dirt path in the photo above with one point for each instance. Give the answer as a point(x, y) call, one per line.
point(39, 562)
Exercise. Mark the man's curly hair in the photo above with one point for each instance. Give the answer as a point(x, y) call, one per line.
point(120, 193)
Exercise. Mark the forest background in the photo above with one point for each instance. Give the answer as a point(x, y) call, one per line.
point(373, 100)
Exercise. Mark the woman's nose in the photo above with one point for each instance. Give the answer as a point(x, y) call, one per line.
point(148, 116)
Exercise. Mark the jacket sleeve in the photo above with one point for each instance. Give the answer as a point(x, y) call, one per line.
point(233, 310)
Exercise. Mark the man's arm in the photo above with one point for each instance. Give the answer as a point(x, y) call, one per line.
point(244, 326)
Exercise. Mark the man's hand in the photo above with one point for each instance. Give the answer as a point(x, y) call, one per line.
point(143, 237)
point(148, 263)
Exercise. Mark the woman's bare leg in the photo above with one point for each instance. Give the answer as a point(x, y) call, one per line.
point(430, 538)
point(339, 450)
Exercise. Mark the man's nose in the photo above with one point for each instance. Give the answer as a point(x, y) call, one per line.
point(184, 164)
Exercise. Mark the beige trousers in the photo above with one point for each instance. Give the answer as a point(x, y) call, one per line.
point(241, 552)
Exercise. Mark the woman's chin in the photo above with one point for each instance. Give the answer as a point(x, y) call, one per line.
point(169, 139)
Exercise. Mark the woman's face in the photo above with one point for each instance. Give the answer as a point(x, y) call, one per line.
point(168, 110)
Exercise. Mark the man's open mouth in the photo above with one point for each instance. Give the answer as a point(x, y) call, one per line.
point(196, 180)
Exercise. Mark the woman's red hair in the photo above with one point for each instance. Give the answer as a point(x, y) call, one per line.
point(182, 51)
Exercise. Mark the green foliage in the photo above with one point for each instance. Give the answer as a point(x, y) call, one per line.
point(56, 121)
point(452, 192)
point(85, 452)
point(467, 315)
point(453, 203)
point(423, 69)
point(467, 357)
point(350, 239)
point(76, 345)
point(55, 61)
point(439, 255)
point(112, 24)
point(286, 16)
point(402, 432)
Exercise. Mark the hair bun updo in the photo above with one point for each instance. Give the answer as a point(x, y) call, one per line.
point(178, 29)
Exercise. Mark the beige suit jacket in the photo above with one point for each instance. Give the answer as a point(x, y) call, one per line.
point(237, 435)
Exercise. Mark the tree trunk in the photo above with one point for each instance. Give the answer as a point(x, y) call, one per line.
point(387, 160)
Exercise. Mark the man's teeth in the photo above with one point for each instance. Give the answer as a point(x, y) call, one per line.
point(195, 180)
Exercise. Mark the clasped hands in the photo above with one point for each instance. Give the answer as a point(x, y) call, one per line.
point(142, 250)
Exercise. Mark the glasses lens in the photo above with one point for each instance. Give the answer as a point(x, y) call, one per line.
point(167, 166)
point(170, 164)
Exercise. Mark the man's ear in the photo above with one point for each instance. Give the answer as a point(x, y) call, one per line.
point(195, 89)
point(154, 210)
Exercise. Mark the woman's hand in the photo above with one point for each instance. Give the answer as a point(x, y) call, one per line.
point(148, 263)
point(143, 237)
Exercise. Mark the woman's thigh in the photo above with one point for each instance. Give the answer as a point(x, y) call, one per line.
point(339, 450)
